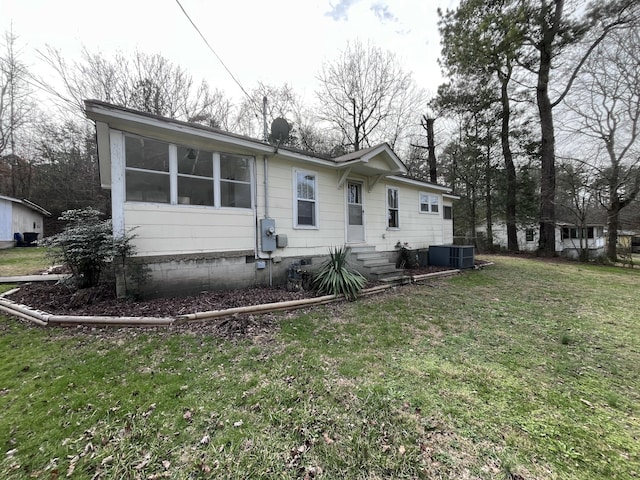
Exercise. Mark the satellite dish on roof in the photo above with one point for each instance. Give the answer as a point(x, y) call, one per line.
point(280, 130)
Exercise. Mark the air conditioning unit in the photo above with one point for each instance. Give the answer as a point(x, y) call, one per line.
point(455, 256)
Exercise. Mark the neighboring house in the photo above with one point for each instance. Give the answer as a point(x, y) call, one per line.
point(215, 210)
point(20, 217)
point(571, 239)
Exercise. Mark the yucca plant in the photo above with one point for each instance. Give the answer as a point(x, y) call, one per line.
point(335, 278)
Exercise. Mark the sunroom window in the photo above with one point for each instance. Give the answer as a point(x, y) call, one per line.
point(195, 177)
point(160, 172)
point(235, 181)
point(147, 173)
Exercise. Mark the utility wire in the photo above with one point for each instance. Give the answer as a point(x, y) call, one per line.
point(217, 56)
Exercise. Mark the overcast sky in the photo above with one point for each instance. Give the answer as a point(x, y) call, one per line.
point(274, 42)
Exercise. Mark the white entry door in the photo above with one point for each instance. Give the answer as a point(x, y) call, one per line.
point(355, 213)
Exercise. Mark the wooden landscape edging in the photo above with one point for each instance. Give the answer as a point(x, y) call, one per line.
point(44, 319)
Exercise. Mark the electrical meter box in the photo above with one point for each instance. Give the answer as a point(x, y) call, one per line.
point(268, 234)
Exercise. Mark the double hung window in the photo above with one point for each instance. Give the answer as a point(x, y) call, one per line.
point(429, 203)
point(393, 208)
point(306, 200)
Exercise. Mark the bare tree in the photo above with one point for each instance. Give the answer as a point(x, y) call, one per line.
point(607, 114)
point(367, 97)
point(16, 112)
point(264, 104)
point(145, 82)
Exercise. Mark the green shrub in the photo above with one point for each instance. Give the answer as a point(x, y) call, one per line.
point(87, 245)
point(335, 278)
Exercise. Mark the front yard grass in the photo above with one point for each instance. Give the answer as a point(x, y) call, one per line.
point(523, 370)
point(23, 261)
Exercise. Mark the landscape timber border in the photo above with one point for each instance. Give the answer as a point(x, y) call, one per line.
point(44, 319)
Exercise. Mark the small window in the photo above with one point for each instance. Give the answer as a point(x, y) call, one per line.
point(147, 170)
point(393, 215)
point(306, 201)
point(429, 203)
point(434, 204)
point(235, 181)
point(447, 212)
point(529, 234)
point(195, 177)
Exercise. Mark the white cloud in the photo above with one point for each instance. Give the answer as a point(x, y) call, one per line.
point(339, 11)
point(383, 12)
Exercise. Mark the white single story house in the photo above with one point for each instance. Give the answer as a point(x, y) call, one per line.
point(571, 239)
point(20, 217)
point(216, 210)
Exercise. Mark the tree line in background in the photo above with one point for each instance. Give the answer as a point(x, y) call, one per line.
point(537, 121)
point(545, 97)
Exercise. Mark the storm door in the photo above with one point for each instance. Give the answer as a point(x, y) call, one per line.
point(355, 213)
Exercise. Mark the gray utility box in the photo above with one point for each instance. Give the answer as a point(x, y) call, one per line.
point(455, 256)
point(268, 234)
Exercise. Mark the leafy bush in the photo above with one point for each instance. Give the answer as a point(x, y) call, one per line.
point(87, 245)
point(335, 278)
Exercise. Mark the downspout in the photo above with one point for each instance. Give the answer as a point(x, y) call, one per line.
point(266, 207)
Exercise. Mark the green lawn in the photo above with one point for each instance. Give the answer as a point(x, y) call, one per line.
point(525, 369)
point(23, 261)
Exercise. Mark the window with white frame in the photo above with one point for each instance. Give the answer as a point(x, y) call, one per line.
point(447, 212)
point(235, 181)
point(529, 235)
point(147, 175)
point(393, 207)
point(195, 177)
point(429, 203)
point(159, 172)
point(306, 200)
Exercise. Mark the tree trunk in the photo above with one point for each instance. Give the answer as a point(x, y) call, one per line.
point(489, 203)
point(512, 232)
point(433, 174)
point(612, 236)
point(547, 243)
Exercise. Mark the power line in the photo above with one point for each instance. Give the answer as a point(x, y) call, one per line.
point(217, 56)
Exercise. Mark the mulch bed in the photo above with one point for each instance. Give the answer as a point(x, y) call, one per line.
point(59, 299)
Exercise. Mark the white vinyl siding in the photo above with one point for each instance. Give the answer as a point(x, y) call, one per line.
point(172, 229)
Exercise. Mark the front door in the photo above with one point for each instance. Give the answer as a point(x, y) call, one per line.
point(355, 213)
